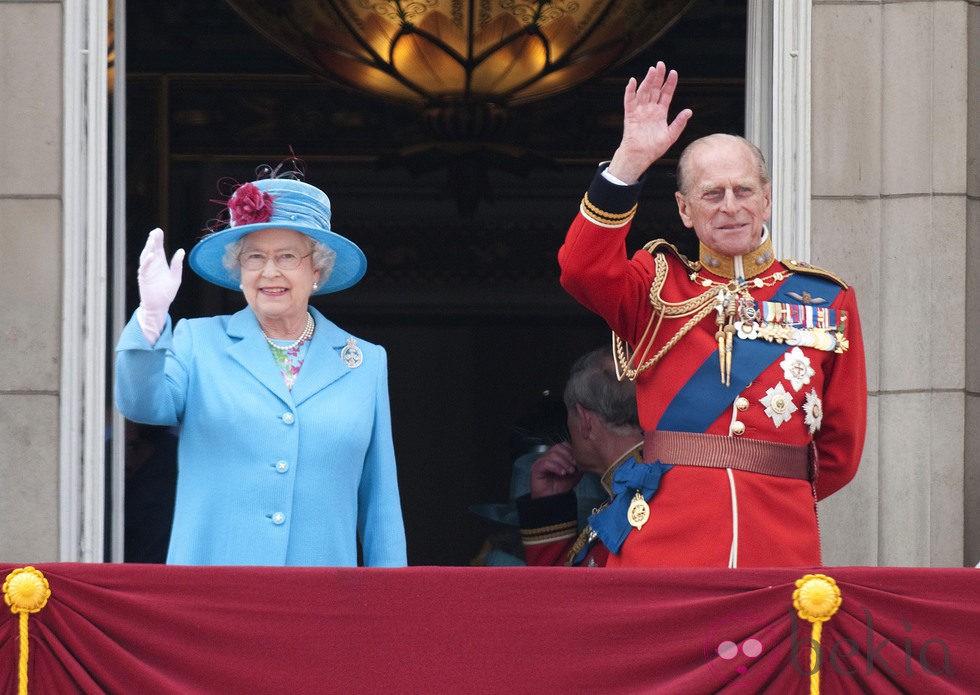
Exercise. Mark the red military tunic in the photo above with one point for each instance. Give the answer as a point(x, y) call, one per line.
point(718, 517)
point(549, 531)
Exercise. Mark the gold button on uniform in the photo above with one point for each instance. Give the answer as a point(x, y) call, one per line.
point(742, 403)
point(738, 428)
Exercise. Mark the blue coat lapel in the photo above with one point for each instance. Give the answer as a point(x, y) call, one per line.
point(321, 367)
point(323, 364)
point(251, 350)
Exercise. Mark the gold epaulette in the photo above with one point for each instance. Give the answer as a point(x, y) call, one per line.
point(807, 269)
point(662, 245)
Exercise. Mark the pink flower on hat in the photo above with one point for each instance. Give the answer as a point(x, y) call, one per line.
point(249, 205)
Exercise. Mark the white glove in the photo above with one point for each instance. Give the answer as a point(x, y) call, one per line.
point(158, 283)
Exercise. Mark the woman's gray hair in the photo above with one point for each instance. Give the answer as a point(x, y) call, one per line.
point(683, 164)
point(592, 383)
point(322, 258)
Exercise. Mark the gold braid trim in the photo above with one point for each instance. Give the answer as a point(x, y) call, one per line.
point(547, 534)
point(579, 543)
point(606, 219)
point(656, 246)
point(630, 366)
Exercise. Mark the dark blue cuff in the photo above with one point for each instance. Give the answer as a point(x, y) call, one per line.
point(610, 198)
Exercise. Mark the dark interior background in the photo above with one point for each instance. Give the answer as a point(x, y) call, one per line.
point(462, 286)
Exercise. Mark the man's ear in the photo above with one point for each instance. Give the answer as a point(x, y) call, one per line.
point(682, 209)
point(585, 418)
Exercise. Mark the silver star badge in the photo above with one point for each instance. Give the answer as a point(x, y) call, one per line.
point(779, 404)
point(813, 407)
point(796, 368)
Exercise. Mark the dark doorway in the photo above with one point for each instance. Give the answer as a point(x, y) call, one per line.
point(464, 298)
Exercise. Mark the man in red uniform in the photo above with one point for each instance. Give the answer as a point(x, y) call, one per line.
point(749, 372)
point(604, 439)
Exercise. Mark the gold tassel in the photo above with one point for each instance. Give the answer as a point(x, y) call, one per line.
point(817, 598)
point(26, 591)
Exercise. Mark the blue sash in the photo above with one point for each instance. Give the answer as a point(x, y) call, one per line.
point(703, 399)
point(610, 523)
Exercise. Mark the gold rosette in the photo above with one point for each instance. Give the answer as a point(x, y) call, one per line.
point(26, 591)
point(816, 599)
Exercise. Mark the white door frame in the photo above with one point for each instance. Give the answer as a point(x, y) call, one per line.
point(777, 113)
point(82, 416)
point(777, 118)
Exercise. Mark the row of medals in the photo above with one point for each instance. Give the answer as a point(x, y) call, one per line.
point(738, 314)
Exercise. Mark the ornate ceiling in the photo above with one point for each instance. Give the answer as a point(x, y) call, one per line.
point(210, 97)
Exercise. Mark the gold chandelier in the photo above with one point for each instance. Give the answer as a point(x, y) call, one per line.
point(461, 62)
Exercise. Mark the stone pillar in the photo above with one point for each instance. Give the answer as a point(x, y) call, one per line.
point(890, 116)
point(30, 279)
point(972, 285)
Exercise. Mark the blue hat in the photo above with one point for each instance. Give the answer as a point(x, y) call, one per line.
point(280, 203)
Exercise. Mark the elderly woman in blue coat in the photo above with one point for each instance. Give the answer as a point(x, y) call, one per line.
point(285, 452)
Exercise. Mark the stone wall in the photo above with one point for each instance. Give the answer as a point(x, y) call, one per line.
point(890, 184)
point(30, 278)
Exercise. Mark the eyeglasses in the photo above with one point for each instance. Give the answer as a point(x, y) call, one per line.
point(286, 260)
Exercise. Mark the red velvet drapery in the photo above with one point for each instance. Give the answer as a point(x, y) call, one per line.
point(159, 629)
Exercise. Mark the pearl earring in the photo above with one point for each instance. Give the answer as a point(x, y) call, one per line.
point(315, 286)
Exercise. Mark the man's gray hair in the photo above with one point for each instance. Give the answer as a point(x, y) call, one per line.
point(684, 163)
point(592, 383)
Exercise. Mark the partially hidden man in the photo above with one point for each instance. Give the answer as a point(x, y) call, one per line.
point(604, 440)
point(749, 371)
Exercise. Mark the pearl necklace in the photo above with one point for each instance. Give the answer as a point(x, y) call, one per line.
point(305, 335)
